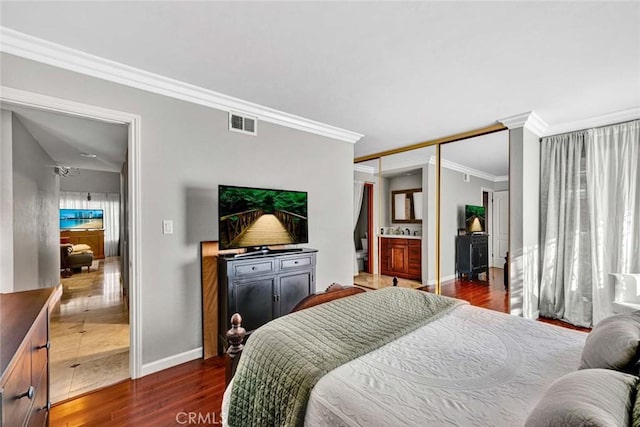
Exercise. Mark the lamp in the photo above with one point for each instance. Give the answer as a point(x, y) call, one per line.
point(88, 197)
point(476, 227)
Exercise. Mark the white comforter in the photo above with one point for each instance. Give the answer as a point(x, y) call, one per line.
point(471, 367)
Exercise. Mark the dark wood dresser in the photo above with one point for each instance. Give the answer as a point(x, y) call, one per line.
point(24, 356)
point(262, 287)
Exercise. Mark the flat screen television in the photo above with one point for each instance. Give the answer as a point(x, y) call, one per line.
point(474, 219)
point(261, 217)
point(81, 219)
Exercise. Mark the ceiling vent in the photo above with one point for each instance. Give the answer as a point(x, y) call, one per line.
point(243, 124)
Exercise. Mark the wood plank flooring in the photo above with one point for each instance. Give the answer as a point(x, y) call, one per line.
point(195, 388)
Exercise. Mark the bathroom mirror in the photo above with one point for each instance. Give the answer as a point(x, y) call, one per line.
point(406, 207)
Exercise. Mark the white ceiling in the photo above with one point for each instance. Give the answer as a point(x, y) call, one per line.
point(398, 72)
point(64, 137)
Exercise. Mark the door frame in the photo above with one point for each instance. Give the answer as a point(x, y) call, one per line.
point(37, 101)
point(368, 188)
point(488, 218)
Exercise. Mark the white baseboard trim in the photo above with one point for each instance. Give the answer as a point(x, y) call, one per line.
point(431, 282)
point(171, 361)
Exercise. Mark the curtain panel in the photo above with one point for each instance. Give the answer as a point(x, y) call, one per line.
point(109, 203)
point(589, 219)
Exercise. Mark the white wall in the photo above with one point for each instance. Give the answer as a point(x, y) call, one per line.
point(91, 181)
point(524, 206)
point(6, 202)
point(186, 153)
point(36, 233)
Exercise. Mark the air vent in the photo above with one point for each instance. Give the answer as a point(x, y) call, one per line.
point(244, 124)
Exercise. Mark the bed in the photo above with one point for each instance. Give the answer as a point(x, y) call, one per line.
point(465, 366)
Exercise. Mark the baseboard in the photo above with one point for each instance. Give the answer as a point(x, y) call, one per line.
point(171, 361)
point(444, 279)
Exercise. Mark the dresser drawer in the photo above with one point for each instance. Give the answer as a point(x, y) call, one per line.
point(295, 262)
point(14, 410)
point(39, 410)
point(39, 352)
point(253, 268)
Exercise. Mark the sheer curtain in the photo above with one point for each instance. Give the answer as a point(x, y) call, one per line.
point(110, 203)
point(589, 219)
point(358, 190)
point(613, 187)
point(565, 284)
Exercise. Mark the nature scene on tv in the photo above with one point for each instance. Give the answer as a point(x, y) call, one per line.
point(473, 212)
point(82, 219)
point(253, 217)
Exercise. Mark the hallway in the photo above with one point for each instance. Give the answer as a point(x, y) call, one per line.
point(89, 332)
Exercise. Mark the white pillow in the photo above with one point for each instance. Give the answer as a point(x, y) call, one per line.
point(591, 397)
point(81, 248)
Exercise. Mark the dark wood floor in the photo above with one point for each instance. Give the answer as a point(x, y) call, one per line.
point(195, 388)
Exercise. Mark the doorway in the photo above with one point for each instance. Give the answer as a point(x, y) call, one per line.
point(363, 232)
point(131, 237)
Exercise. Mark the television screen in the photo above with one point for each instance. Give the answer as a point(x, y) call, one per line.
point(81, 219)
point(258, 217)
point(474, 219)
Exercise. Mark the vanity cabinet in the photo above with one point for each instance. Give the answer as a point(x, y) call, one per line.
point(262, 287)
point(401, 257)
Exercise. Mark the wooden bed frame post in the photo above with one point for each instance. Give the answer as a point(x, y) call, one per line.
point(235, 336)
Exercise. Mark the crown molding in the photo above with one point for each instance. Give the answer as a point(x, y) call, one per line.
point(596, 121)
point(40, 50)
point(447, 164)
point(363, 168)
point(529, 120)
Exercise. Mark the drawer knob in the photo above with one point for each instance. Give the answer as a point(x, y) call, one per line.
point(254, 268)
point(47, 346)
point(295, 262)
point(29, 393)
point(46, 407)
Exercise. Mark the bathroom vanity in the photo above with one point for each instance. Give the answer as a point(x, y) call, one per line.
point(401, 256)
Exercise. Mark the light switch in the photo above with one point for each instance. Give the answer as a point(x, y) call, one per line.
point(167, 226)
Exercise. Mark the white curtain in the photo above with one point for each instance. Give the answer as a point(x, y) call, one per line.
point(613, 187)
point(358, 190)
point(590, 219)
point(565, 284)
point(110, 203)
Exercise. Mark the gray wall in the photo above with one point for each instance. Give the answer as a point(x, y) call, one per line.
point(186, 153)
point(92, 181)
point(36, 233)
point(6, 202)
point(398, 183)
point(454, 195)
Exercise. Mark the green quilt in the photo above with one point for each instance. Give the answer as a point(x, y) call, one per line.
point(285, 358)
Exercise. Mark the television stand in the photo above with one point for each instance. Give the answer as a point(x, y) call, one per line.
point(262, 287)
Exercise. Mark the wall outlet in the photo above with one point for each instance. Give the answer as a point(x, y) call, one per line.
point(167, 226)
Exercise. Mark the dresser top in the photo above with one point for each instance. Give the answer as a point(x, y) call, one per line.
point(18, 313)
point(271, 253)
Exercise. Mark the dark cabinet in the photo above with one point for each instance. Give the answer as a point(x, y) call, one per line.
point(472, 255)
point(262, 287)
point(401, 257)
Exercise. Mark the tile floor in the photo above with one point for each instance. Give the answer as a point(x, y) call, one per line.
point(377, 281)
point(89, 332)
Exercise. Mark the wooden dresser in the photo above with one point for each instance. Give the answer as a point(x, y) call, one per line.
point(93, 238)
point(24, 356)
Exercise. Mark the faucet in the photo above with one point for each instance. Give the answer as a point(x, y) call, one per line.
point(408, 232)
